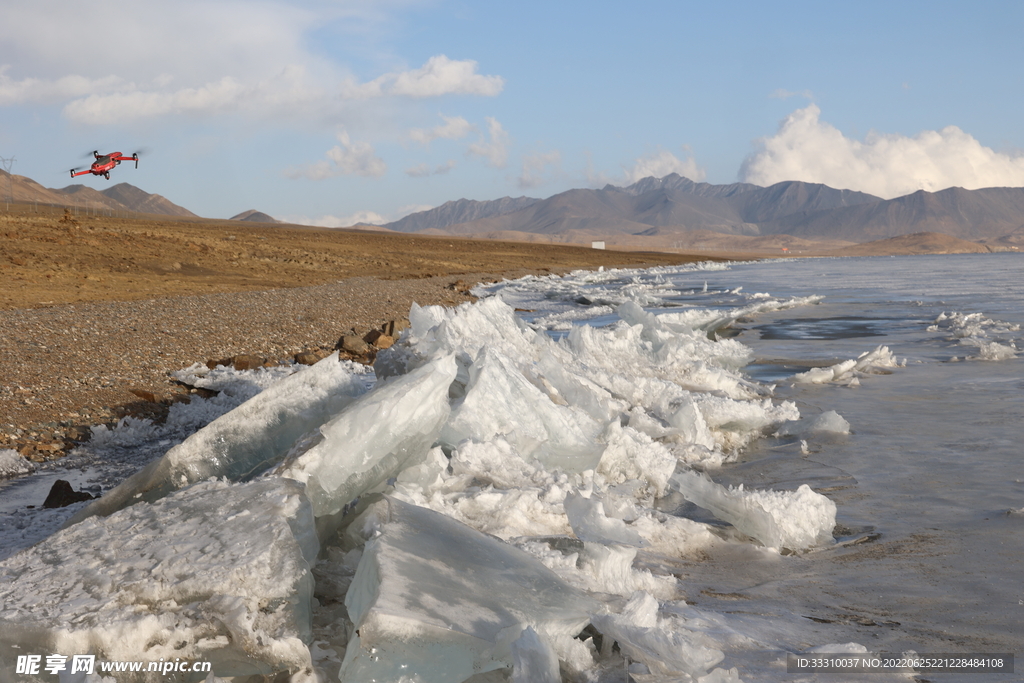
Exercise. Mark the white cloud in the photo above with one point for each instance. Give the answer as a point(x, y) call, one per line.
point(783, 94)
point(206, 58)
point(329, 221)
point(535, 166)
point(423, 170)
point(662, 163)
point(495, 150)
point(804, 148)
point(51, 91)
point(439, 76)
point(346, 158)
point(453, 128)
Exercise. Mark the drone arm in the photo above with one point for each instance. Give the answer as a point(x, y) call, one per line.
point(75, 175)
point(119, 158)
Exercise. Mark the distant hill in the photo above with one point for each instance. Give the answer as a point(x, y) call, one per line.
point(460, 211)
point(143, 202)
point(677, 204)
point(254, 216)
point(917, 243)
point(120, 197)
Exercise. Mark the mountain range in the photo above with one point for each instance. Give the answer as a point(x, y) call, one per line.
point(120, 197)
point(669, 212)
point(674, 206)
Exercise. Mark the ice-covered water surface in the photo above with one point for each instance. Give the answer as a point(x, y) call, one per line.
point(678, 474)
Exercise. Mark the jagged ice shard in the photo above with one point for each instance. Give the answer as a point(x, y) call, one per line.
point(217, 572)
point(243, 442)
point(436, 602)
point(779, 519)
point(373, 438)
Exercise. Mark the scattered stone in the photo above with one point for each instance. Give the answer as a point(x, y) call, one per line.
point(247, 362)
point(393, 327)
point(146, 395)
point(350, 343)
point(61, 495)
point(306, 358)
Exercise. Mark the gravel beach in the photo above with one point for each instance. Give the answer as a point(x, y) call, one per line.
point(71, 366)
point(95, 312)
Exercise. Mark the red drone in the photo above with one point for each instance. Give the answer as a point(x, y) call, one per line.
point(103, 164)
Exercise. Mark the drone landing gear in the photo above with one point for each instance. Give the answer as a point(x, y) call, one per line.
point(107, 175)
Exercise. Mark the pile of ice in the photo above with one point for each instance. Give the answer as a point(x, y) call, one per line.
point(779, 519)
point(484, 507)
point(849, 372)
point(217, 572)
point(994, 339)
point(12, 464)
point(244, 442)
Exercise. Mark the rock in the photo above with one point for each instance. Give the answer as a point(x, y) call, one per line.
point(354, 345)
point(61, 495)
point(306, 358)
point(245, 361)
point(146, 395)
point(378, 339)
point(393, 327)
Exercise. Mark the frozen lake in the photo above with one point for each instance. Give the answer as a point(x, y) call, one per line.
point(710, 466)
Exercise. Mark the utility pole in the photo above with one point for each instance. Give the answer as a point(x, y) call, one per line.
point(8, 165)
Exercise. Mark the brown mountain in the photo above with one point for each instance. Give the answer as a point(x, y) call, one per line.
point(137, 200)
point(806, 210)
point(967, 214)
point(120, 197)
point(254, 216)
point(916, 243)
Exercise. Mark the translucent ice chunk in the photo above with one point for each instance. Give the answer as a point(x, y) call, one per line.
point(12, 463)
point(243, 442)
point(829, 421)
point(778, 519)
point(533, 659)
point(501, 401)
point(665, 651)
point(216, 572)
point(373, 438)
point(436, 601)
point(590, 523)
point(847, 372)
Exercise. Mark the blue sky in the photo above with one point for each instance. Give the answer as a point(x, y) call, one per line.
point(331, 111)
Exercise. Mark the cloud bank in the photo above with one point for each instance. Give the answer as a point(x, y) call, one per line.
point(805, 148)
point(439, 76)
point(495, 148)
point(662, 163)
point(345, 158)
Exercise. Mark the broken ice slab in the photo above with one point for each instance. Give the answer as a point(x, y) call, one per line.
point(589, 522)
point(217, 572)
point(662, 646)
point(501, 401)
point(243, 442)
point(373, 438)
point(779, 519)
point(436, 601)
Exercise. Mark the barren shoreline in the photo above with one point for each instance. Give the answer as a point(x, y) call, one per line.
point(94, 307)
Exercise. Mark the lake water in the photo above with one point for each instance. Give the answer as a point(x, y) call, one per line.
point(927, 553)
point(930, 481)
